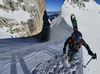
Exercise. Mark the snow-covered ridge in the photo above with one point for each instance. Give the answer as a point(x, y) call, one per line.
point(88, 19)
point(82, 4)
point(90, 7)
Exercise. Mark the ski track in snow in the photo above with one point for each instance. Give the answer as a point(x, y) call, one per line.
point(59, 65)
point(38, 58)
point(53, 65)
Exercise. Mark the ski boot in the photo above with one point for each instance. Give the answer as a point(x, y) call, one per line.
point(69, 62)
point(67, 57)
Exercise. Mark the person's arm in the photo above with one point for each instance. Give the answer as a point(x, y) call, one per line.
point(65, 44)
point(87, 47)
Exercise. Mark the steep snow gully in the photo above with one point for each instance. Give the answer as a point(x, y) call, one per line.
point(22, 56)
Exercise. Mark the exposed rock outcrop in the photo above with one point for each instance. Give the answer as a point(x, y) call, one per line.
point(80, 3)
point(34, 24)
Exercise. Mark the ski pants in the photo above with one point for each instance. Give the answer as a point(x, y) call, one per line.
point(71, 54)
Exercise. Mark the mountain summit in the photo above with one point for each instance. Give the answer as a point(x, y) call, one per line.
point(79, 3)
point(76, 1)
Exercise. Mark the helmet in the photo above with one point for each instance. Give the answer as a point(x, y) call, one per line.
point(77, 36)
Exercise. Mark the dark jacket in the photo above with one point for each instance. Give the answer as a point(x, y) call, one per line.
point(76, 46)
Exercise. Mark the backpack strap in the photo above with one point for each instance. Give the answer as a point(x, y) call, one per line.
point(80, 43)
point(70, 40)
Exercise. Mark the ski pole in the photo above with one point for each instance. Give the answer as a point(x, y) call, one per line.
point(90, 60)
point(87, 63)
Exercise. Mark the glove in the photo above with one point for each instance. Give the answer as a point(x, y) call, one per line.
point(94, 56)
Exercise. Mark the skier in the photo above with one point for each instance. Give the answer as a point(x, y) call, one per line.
point(75, 41)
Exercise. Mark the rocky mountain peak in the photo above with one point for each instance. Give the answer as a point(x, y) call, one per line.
point(80, 3)
point(75, 1)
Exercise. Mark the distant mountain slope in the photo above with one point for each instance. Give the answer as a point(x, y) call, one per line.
point(52, 15)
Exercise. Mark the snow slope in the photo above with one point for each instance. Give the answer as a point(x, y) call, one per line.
point(88, 19)
point(23, 56)
point(27, 56)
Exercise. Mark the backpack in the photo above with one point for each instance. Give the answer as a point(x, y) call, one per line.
point(80, 43)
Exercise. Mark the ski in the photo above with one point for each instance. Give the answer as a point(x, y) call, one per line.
point(74, 22)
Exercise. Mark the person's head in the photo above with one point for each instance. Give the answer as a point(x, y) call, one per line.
point(77, 36)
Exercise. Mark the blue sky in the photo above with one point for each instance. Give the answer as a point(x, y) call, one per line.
point(53, 5)
point(98, 1)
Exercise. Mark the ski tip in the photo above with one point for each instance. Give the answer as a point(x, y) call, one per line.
point(72, 15)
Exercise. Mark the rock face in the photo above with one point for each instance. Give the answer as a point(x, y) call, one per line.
point(33, 24)
point(80, 3)
point(79, 0)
